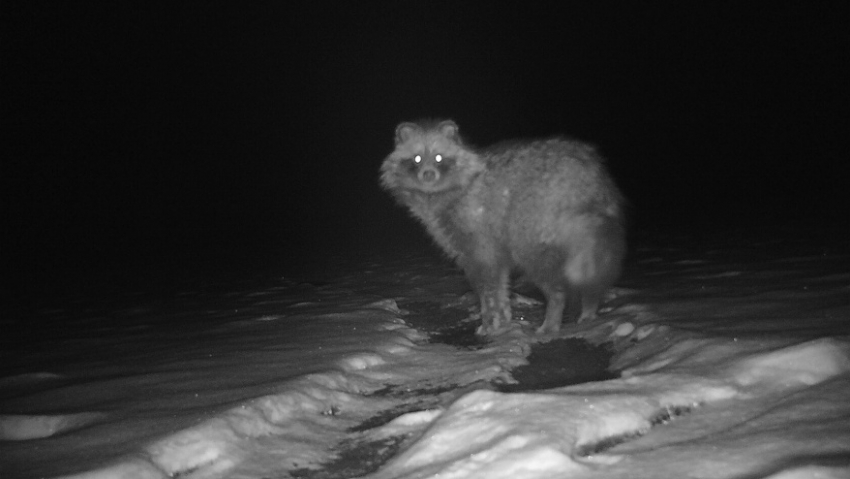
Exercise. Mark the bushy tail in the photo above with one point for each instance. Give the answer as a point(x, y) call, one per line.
point(597, 261)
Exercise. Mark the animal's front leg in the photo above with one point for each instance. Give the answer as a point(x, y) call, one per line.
point(491, 284)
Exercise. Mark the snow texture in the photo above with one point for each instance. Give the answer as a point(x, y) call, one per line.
point(727, 370)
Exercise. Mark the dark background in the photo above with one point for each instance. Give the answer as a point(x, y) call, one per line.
point(148, 143)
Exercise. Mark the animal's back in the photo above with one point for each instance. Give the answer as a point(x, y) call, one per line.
point(546, 193)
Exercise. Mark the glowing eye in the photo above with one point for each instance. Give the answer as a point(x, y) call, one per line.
point(417, 159)
point(438, 158)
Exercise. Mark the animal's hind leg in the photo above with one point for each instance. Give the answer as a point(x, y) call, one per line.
point(556, 302)
point(590, 298)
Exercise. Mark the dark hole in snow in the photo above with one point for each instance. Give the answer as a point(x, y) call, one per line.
point(461, 335)
point(561, 362)
point(385, 417)
point(354, 459)
point(445, 324)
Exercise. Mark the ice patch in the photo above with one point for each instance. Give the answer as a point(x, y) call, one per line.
point(195, 448)
point(361, 361)
point(415, 418)
point(624, 329)
point(808, 363)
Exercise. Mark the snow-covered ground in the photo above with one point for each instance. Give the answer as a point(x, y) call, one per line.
point(734, 362)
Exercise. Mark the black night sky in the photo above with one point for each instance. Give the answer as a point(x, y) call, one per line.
point(147, 143)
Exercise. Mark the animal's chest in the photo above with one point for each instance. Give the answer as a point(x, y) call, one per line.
point(481, 213)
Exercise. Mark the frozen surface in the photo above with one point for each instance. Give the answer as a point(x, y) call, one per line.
point(734, 358)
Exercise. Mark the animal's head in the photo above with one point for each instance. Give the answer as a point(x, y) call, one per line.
point(429, 157)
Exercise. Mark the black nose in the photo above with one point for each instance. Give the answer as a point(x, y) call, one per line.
point(429, 175)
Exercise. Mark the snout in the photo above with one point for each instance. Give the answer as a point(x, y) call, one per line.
point(429, 175)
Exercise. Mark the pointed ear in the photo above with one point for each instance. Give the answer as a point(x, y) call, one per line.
point(403, 132)
point(448, 128)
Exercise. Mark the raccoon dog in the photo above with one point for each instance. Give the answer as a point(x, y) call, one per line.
point(546, 208)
